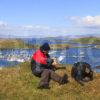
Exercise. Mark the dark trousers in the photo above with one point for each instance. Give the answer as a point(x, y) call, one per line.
point(47, 75)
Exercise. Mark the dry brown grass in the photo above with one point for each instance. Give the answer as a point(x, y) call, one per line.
point(18, 83)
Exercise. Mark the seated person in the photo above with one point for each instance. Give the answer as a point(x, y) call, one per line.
point(43, 66)
point(82, 72)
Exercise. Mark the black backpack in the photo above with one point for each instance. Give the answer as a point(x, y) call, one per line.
point(82, 71)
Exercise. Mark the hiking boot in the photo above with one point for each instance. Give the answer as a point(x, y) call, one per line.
point(45, 86)
point(86, 79)
point(64, 80)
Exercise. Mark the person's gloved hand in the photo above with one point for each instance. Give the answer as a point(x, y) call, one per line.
point(55, 62)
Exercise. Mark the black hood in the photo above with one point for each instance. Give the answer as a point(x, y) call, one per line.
point(45, 47)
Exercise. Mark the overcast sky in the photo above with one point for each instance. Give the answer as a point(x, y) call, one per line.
point(49, 17)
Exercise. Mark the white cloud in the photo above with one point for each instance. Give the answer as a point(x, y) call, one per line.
point(92, 21)
point(84, 25)
point(29, 31)
point(78, 25)
point(3, 24)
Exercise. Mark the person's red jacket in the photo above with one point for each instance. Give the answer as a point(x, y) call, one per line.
point(39, 57)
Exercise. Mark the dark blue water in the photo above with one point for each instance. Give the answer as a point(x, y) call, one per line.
point(69, 56)
point(5, 63)
point(5, 54)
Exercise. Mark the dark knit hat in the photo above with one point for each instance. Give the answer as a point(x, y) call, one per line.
point(45, 47)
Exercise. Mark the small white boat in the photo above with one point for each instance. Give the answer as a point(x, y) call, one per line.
point(15, 59)
point(81, 56)
point(81, 53)
point(20, 60)
point(75, 56)
point(52, 52)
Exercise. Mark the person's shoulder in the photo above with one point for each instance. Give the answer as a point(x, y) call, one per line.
point(38, 50)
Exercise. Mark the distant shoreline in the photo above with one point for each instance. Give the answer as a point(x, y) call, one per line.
point(20, 44)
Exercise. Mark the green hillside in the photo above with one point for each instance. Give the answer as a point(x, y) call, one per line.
point(87, 40)
point(18, 43)
point(13, 43)
point(59, 46)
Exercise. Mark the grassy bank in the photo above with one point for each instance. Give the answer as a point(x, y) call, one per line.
point(13, 44)
point(87, 40)
point(17, 43)
point(59, 46)
point(18, 83)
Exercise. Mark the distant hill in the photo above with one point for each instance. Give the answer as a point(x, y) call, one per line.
point(26, 44)
point(50, 40)
point(87, 40)
point(13, 43)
